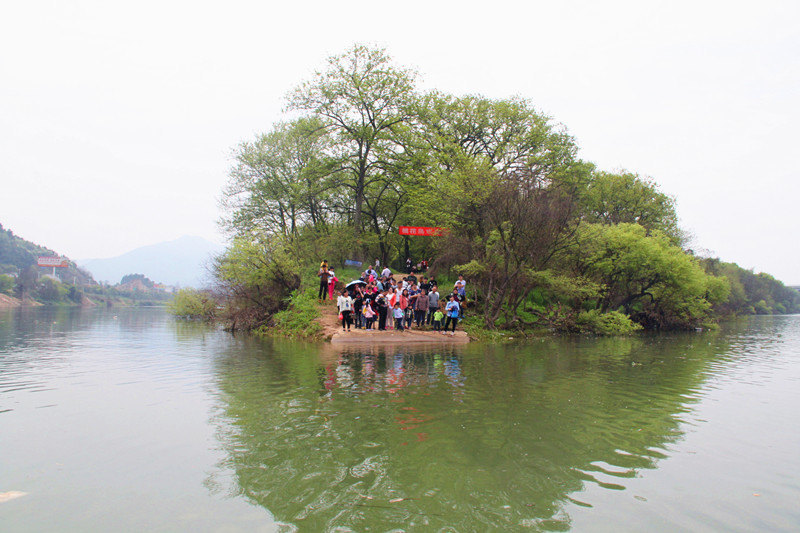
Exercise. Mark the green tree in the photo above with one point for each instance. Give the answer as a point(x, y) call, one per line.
point(628, 198)
point(646, 275)
point(50, 290)
point(509, 135)
point(191, 303)
point(363, 99)
point(6, 284)
point(281, 181)
point(26, 282)
point(257, 278)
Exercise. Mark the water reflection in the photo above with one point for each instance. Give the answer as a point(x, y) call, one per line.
point(470, 438)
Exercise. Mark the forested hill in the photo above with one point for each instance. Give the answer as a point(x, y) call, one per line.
point(18, 254)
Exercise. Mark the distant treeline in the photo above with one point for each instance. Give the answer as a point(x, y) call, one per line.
point(544, 238)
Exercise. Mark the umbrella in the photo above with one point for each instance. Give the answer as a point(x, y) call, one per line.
point(355, 282)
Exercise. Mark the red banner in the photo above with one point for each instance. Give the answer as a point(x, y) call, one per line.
point(422, 230)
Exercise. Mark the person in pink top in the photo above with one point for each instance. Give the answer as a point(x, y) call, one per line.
point(332, 279)
point(405, 305)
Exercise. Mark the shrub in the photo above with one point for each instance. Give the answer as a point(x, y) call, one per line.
point(6, 284)
point(610, 323)
point(191, 303)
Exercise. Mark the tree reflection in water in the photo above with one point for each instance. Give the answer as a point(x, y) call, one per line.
point(473, 438)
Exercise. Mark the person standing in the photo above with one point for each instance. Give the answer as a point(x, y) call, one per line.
point(398, 317)
point(433, 304)
point(425, 284)
point(386, 273)
point(323, 282)
point(461, 286)
point(421, 307)
point(405, 306)
point(380, 301)
point(437, 319)
point(332, 279)
point(408, 265)
point(452, 309)
point(369, 314)
point(358, 305)
point(345, 305)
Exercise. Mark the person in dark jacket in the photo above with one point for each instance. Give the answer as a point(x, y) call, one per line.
point(421, 307)
point(383, 310)
point(358, 306)
point(323, 282)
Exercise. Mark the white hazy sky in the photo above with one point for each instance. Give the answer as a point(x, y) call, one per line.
point(117, 119)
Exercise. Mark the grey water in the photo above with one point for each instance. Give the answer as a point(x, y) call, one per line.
point(130, 420)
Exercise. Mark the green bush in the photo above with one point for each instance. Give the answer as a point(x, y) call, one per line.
point(298, 320)
point(51, 290)
point(191, 303)
point(610, 323)
point(6, 284)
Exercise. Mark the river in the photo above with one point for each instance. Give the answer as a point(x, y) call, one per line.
point(129, 420)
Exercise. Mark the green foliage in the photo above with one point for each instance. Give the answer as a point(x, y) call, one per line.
point(545, 240)
point(610, 323)
point(191, 303)
point(257, 278)
point(628, 198)
point(146, 282)
point(26, 282)
point(281, 181)
point(751, 293)
point(298, 320)
point(645, 274)
point(50, 290)
point(7, 284)
point(363, 101)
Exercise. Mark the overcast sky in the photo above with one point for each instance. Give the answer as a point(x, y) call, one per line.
point(118, 118)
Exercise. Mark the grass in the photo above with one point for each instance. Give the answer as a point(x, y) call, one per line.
point(299, 320)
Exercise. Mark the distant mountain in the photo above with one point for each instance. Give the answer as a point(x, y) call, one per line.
point(18, 254)
point(180, 262)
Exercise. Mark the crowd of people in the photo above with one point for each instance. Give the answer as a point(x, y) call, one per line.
point(379, 301)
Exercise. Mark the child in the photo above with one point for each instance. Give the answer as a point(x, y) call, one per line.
point(398, 317)
point(437, 319)
point(369, 314)
point(332, 279)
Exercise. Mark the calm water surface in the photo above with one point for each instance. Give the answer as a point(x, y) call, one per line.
point(127, 420)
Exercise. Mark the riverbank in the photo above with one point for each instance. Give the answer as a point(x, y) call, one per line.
point(9, 301)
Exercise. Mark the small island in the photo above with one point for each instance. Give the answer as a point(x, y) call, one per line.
point(547, 241)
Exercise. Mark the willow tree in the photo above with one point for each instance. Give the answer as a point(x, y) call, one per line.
point(362, 99)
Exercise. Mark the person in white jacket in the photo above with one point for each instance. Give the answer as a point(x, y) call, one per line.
point(345, 305)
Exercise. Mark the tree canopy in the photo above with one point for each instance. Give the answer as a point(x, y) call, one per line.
point(545, 237)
